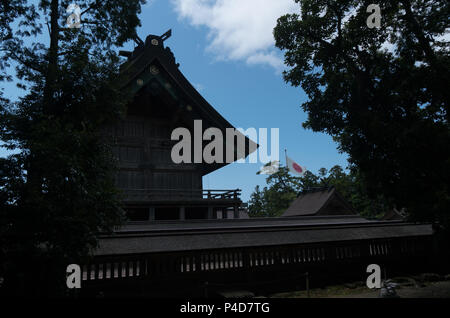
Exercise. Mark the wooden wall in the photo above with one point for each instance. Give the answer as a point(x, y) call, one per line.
point(143, 147)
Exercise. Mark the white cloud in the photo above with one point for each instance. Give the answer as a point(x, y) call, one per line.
point(148, 4)
point(266, 58)
point(239, 29)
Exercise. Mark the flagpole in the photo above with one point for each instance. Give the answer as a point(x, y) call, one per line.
point(285, 154)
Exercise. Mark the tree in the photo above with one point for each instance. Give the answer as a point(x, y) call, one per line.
point(256, 204)
point(281, 192)
point(381, 93)
point(273, 200)
point(57, 191)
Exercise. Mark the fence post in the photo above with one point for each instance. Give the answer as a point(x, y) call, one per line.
point(182, 213)
point(307, 284)
point(206, 289)
point(151, 213)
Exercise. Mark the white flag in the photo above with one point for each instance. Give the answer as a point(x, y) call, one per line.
point(295, 167)
point(269, 168)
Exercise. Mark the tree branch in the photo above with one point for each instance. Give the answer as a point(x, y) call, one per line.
point(92, 6)
point(415, 27)
point(24, 62)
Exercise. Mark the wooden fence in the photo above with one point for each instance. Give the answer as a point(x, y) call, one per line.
point(204, 265)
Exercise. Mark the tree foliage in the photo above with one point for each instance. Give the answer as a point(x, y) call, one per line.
point(282, 189)
point(381, 93)
point(57, 188)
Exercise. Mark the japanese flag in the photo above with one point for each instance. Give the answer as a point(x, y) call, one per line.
point(295, 167)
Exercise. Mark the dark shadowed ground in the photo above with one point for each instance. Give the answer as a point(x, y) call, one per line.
point(408, 287)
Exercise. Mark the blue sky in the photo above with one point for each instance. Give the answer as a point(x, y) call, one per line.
point(225, 49)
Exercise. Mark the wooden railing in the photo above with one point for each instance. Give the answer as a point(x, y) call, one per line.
point(180, 194)
point(249, 259)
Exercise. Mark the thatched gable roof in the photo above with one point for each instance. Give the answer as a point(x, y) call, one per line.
point(319, 201)
point(152, 67)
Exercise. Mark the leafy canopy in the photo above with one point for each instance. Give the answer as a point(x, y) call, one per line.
point(57, 189)
point(381, 93)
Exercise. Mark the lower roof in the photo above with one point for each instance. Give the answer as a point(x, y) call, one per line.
point(178, 236)
point(316, 201)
